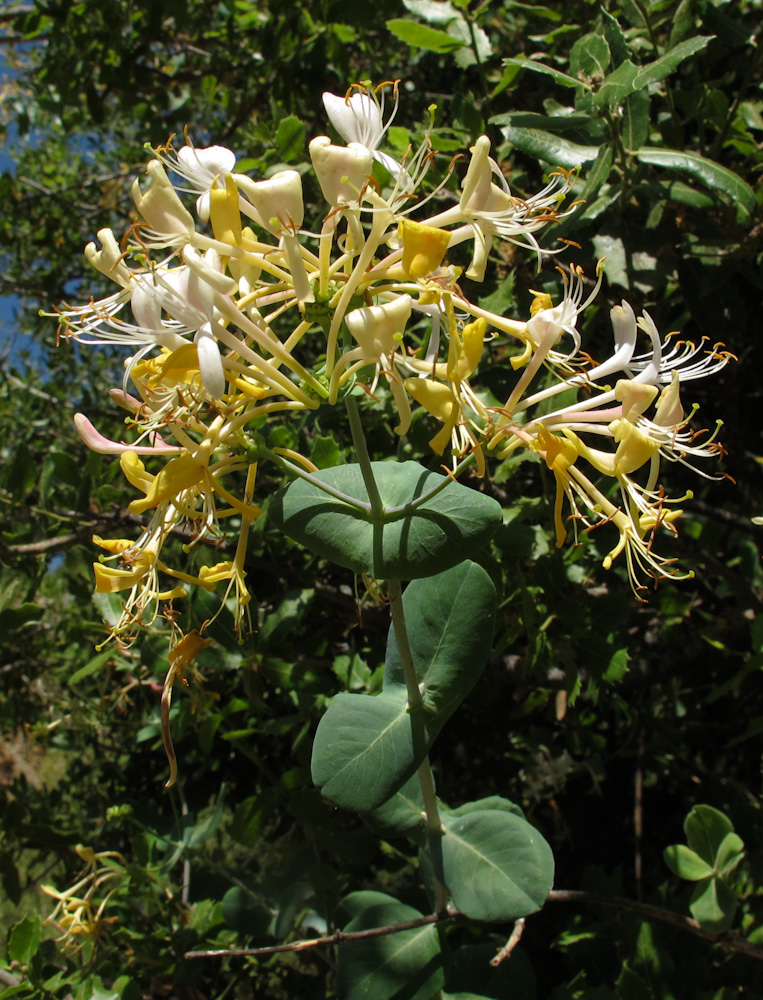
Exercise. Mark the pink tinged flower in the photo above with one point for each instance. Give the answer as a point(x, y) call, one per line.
point(105, 446)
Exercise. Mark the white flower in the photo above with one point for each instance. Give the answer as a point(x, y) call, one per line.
point(341, 170)
point(201, 168)
point(358, 118)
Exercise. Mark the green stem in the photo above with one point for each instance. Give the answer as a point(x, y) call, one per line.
point(618, 144)
point(364, 460)
point(295, 470)
point(416, 704)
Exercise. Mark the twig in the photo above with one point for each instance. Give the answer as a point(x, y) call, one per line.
point(730, 940)
point(339, 938)
point(505, 952)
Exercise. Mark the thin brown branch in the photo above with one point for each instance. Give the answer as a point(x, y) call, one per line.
point(339, 938)
point(730, 940)
point(31, 548)
point(514, 939)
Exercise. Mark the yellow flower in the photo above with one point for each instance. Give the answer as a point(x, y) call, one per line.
point(424, 248)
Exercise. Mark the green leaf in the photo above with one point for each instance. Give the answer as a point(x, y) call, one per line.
point(449, 619)
point(524, 62)
point(24, 940)
point(290, 138)
point(244, 911)
point(707, 171)
point(493, 803)
point(408, 965)
point(548, 147)
point(635, 127)
point(713, 905)
point(495, 865)
point(617, 86)
point(432, 11)
point(597, 176)
point(434, 536)
point(685, 863)
point(618, 45)
point(325, 453)
point(590, 57)
point(403, 814)
point(421, 36)
point(91, 667)
point(706, 829)
point(730, 853)
point(655, 71)
point(628, 78)
point(366, 747)
point(546, 123)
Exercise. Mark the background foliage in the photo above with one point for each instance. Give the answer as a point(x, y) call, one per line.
point(607, 720)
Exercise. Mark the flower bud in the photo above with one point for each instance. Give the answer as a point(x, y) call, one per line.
point(278, 200)
point(159, 204)
point(341, 170)
point(109, 259)
point(379, 329)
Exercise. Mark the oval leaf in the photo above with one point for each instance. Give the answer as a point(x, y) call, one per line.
point(682, 861)
point(449, 621)
point(434, 536)
point(366, 747)
point(495, 865)
point(710, 173)
point(405, 964)
point(402, 814)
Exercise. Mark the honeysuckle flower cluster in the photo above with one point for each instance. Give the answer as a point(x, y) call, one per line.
point(79, 911)
point(240, 314)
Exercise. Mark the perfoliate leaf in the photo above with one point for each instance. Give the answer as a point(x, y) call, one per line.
point(683, 861)
point(366, 747)
point(713, 905)
point(706, 829)
point(434, 536)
